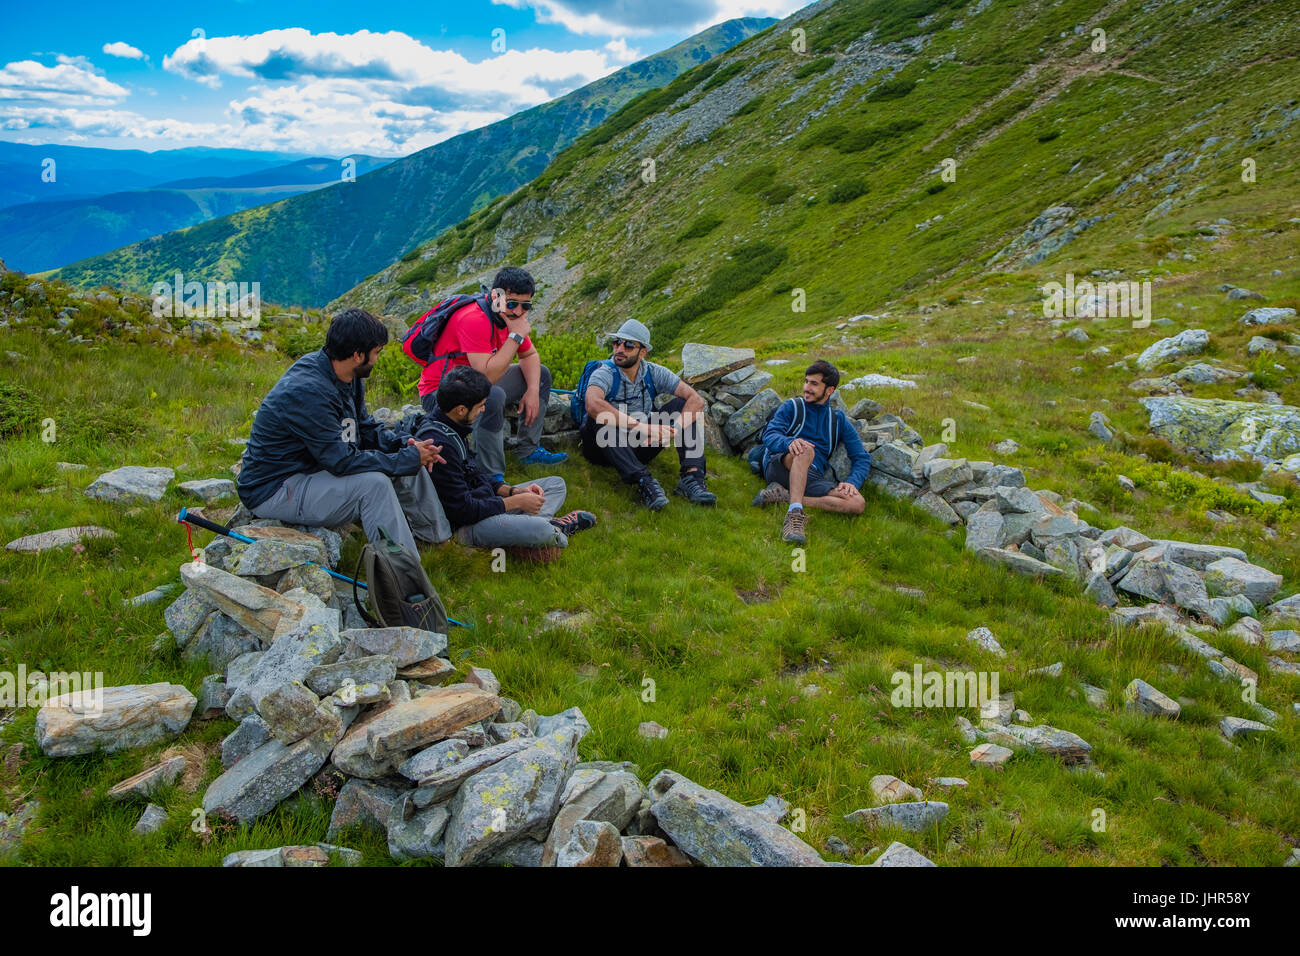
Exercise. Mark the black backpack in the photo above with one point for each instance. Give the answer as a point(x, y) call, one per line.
point(420, 339)
point(401, 594)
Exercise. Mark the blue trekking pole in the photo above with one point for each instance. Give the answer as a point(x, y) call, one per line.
point(186, 518)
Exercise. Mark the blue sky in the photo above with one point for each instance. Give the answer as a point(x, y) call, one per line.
point(384, 78)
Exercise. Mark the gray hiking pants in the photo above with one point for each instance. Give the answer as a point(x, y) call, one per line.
point(406, 507)
point(514, 529)
point(490, 426)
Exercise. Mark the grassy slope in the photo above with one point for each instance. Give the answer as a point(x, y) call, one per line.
point(729, 674)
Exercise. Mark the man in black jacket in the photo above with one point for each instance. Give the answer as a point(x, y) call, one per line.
point(316, 457)
point(486, 513)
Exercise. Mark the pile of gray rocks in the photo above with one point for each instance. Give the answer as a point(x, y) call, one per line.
point(455, 772)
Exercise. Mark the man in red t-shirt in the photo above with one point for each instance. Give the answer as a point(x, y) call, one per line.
point(491, 344)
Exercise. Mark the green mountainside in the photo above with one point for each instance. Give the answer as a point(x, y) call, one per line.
point(823, 171)
point(312, 247)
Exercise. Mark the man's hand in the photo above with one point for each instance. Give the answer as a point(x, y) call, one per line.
point(430, 454)
point(798, 446)
point(518, 324)
point(846, 491)
point(528, 406)
point(536, 489)
point(526, 501)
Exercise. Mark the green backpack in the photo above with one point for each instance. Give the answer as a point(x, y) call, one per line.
point(401, 594)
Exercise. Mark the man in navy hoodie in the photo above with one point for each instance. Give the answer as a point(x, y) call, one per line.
point(797, 445)
point(485, 512)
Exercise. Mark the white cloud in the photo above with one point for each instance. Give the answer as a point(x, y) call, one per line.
point(620, 51)
point(88, 124)
point(640, 17)
point(391, 61)
point(70, 83)
point(124, 50)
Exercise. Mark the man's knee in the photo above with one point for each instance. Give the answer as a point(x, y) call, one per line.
point(544, 380)
point(857, 505)
point(496, 400)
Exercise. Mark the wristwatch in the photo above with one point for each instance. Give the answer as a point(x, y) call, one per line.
point(519, 339)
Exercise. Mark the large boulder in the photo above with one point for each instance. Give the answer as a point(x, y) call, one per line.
point(1188, 342)
point(705, 364)
point(112, 718)
point(257, 608)
point(1223, 430)
point(748, 419)
point(132, 484)
point(718, 831)
point(1229, 576)
point(512, 800)
point(1267, 316)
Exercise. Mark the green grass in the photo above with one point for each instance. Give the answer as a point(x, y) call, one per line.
point(730, 631)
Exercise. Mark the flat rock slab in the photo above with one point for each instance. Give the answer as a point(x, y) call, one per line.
point(442, 783)
point(1229, 576)
point(208, 490)
point(1021, 563)
point(272, 555)
point(913, 816)
point(1067, 747)
point(146, 782)
point(260, 781)
point(750, 417)
point(112, 719)
point(1141, 696)
point(900, 854)
point(417, 723)
point(59, 539)
point(990, 755)
point(256, 608)
point(718, 831)
point(514, 798)
point(405, 645)
point(310, 642)
point(131, 484)
point(887, 788)
point(702, 364)
point(1235, 728)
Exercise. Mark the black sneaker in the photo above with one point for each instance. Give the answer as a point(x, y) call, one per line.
point(574, 522)
point(652, 494)
point(692, 488)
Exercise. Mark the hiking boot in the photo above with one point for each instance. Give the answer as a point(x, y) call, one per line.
point(574, 522)
point(543, 457)
point(652, 494)
point(774, 494)
point(692, 488)
point(796, 522)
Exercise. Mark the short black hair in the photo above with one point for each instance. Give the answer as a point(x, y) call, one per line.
point(352, 331)
point(514, 279)
point(829, 373)
point(462, 385)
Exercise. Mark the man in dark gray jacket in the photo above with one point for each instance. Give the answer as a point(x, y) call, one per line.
point(316, 457)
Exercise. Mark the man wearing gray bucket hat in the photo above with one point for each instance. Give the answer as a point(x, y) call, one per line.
point(621, 427)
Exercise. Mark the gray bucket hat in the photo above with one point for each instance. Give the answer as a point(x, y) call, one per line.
point(634, 330)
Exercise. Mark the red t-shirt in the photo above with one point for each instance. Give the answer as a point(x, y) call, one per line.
point(468, 330)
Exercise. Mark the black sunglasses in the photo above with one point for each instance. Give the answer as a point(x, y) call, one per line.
point(626, 343)
point(513, 304)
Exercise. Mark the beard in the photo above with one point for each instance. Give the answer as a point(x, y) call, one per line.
point(365, 370)
point(623, 360)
